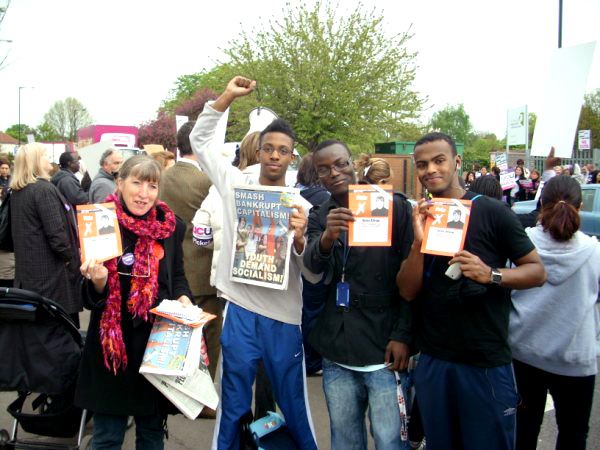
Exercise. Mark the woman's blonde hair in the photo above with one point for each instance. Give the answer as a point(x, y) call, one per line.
point(248, 149)
point(372, 170)
point(27, 166)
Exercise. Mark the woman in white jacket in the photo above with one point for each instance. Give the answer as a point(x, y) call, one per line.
point(554, 328)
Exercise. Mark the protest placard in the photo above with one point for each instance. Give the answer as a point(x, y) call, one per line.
point(507, 179)
point(262, 239)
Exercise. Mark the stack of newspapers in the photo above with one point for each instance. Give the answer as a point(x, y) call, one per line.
point(172, 360)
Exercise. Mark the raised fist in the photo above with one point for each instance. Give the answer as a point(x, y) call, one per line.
point(240, 86)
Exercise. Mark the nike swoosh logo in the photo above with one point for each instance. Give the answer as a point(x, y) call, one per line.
point(297, 354)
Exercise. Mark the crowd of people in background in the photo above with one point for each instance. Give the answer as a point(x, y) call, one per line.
point(527, 182)
point(410, 342)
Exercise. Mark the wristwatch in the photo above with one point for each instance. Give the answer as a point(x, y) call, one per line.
point(496, 276)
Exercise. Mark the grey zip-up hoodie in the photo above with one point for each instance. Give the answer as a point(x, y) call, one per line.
point(556, 327)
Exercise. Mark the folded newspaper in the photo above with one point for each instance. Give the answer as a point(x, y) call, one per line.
point(189, 394)
point(172, 363)
point(188, 315)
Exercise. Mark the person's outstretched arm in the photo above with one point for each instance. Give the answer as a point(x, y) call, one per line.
point(220, 171)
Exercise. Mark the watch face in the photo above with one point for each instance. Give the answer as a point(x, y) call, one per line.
point(496, 277)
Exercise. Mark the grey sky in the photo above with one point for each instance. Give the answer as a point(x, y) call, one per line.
point(120, 58)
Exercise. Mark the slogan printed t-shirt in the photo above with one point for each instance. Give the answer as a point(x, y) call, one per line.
point(471, 327)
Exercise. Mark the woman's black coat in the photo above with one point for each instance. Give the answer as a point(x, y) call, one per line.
point(128, 393)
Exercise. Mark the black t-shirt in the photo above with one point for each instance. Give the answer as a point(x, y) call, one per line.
point(464, 321)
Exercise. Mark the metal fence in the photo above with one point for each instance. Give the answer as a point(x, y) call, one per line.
point(580, 157)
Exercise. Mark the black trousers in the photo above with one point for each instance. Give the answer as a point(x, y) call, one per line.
point(572, 398)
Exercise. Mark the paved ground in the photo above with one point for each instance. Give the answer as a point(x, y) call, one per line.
point(197, 435)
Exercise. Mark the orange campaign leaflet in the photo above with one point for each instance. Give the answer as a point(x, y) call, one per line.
point(99, 235)
point(372, 206)
point(445, 232)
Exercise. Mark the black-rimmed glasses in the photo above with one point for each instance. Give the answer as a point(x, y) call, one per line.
point(283, 151)
point(339, 166)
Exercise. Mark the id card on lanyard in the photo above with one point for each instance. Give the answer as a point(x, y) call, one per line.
point(342, 295)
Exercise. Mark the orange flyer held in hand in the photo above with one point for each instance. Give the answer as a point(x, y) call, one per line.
point(372, 206)
point(99, 234)
point(445, 232)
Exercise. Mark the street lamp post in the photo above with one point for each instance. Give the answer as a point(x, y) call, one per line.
point(21, 87)
point(560, 10)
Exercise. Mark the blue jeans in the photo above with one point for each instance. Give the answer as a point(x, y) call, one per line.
point(348, 394)
point(109, 432)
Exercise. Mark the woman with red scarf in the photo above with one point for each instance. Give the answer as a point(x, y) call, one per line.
point(120, 293)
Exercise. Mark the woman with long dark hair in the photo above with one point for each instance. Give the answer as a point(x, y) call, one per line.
point(535, 178)
point(469, 179)
point(120, 292)
point(554, 327)
point(518, 193)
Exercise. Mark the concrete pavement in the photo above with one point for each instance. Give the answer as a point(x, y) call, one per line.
point(187, 435)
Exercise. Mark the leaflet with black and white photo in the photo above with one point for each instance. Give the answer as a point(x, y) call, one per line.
point(446, 231)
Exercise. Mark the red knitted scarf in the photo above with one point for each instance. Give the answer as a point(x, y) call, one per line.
point(144, 289)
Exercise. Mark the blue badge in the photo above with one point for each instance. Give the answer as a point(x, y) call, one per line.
point(128, 259)
point(342, 297)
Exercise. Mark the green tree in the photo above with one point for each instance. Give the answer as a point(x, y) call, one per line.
point(13, 131)
point(455, 122)
point(45, 133)
point(481, 145)
point(67, 116)
point(187, 86)
point(330, 76)
point(532, 120)
point(589, 119)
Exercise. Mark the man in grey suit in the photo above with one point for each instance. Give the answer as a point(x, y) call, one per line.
point(104, 182)
point(184, 187)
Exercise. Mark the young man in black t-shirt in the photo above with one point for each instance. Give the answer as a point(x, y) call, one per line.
point(464, 380)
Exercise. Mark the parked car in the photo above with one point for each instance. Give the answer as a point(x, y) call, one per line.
point(590, 209)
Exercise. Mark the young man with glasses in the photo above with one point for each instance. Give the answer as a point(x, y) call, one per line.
point(364, 340)
point(258, 322)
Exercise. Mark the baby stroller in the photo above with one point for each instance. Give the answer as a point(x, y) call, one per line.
point(40, 349)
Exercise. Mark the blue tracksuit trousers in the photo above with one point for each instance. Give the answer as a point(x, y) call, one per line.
point(246, 338)
point(466, 407)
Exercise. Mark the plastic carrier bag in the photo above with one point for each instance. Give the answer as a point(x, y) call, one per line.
point(266, 433)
